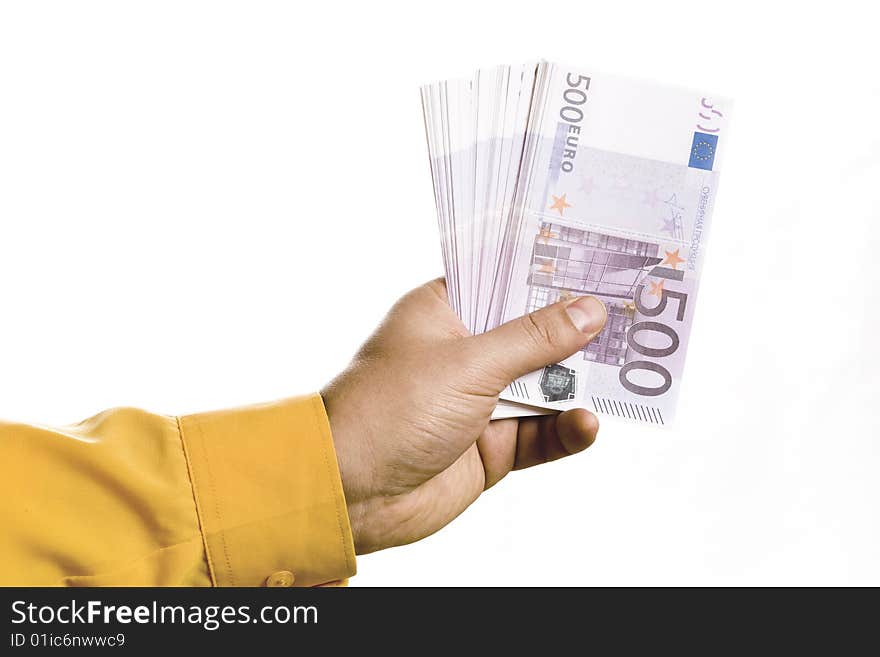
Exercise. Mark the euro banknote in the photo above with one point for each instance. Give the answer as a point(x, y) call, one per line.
point(611, 195)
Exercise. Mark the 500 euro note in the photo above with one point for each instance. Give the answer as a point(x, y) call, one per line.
point(616, 190)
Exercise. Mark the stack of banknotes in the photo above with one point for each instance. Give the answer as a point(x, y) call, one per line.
point(553, 182)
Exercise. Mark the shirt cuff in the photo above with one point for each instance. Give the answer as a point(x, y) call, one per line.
point(269, 495)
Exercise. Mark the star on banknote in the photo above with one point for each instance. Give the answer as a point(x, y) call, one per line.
point(656, 288)
point(560, 204)
point(672, 258)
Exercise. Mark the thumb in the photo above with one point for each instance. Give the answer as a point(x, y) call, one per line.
point(541, 338)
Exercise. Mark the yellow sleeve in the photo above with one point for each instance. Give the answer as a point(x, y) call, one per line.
point(245, 497)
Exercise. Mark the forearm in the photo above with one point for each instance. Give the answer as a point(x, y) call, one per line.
point(128, 497)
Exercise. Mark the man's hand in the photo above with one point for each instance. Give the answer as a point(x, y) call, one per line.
point(410, 415)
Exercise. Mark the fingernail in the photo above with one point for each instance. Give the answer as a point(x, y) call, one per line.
point(587, 314)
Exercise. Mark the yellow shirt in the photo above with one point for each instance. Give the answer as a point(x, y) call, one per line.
point(245, 497)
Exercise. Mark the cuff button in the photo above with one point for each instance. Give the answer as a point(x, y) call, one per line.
point(281, 578)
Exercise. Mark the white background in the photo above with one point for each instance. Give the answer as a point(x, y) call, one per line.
point(211, 204)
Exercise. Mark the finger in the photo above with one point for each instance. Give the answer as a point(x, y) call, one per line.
point(544, 439)
point(421, 315)
point(541, 338)
point(497, 447)
point(425, 299)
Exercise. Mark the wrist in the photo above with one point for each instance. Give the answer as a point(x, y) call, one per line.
point(352, 460)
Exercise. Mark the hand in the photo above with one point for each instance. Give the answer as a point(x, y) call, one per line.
point(410, 415)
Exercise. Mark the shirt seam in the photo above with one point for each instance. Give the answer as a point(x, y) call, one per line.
point(119, 568)
point(216, 497)
point(199, 515)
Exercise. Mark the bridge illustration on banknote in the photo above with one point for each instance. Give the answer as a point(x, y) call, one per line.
point(569, 262)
